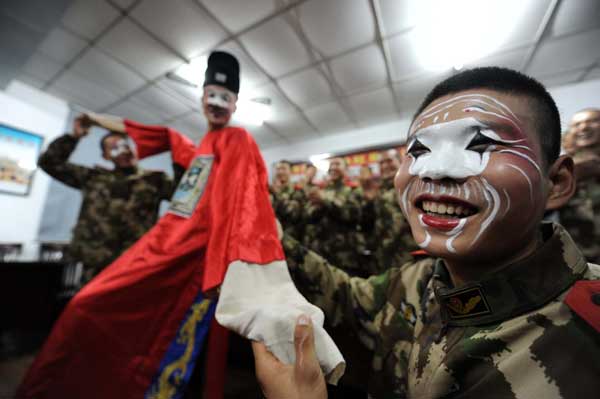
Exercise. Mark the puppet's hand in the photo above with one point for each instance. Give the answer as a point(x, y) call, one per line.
point(303, 379)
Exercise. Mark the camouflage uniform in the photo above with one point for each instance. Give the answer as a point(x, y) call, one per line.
point(581, 218)
point(330, 227)
point(507, 336)
point(392, 232)
point(288, 203)
point(118, 206)
point(365, 237)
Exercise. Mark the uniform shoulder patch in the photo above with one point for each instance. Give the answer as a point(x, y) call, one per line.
point(584, 299)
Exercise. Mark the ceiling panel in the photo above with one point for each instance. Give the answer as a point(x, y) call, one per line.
point(180, 23)
point(41, 67)
point(89, 17)
point(92, 95)
point(132, 46)
point(61, 46)
point(508, 59)
point(31, 80)
point(133, 110)
point(99, 67)
point(329, 118)
point(188, 95)
point(160, 103)
point(239, 14)
point(265, 137)
point(279, 104)
point(526, 22)
point(334, 26)
point(575, 16)
point(397, 15)
point(251, 74)
point(403, 52)
point(292, 125)
point(411, 93)
point(123, 4)
point(354, 74)
point(593, 74)
point(373, 107)
point(564, 54)
point(277, 47)
point(307, 88)
point(563, 78)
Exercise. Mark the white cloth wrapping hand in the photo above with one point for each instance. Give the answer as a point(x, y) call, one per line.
point(261, 303)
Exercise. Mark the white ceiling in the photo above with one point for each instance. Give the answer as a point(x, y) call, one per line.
point(327, 65)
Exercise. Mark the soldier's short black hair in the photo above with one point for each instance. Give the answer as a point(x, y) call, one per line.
point(545, 112)
point(284, 161)
point(109, 134)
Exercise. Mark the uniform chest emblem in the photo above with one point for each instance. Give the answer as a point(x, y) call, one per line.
point(466, 303)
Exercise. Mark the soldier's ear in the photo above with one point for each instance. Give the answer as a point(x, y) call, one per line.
point(105, 156)
point(562, 183)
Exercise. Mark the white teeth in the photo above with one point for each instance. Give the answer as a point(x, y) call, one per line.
point(446, 209)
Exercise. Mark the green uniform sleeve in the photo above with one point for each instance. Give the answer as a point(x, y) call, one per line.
point(349, 300)
point(55, 162)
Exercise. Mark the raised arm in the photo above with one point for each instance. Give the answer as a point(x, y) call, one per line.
point(55, 160)
point(150, 139)
point(345, 300)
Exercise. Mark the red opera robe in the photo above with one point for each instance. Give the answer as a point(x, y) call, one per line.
point(111, 337)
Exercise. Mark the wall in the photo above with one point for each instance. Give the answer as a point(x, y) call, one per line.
point(26, 108)
point(575, 97)
point(569, 98)
point(372, 136)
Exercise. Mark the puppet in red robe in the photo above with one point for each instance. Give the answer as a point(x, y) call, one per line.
point(135, 330)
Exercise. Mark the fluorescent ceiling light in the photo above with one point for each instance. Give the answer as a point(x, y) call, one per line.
point(252, 111)
point(454, 33)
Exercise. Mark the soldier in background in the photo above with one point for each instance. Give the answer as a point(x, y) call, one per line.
point(367, 193)
point(119, 205)
point(393, 237)
point(581, 216)
point(287, 200)
point(331, 215)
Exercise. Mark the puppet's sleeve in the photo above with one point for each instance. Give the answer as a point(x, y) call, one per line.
point(258, 299)
point(151, 140)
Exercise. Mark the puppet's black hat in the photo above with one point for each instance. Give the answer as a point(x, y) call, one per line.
point(223, 70)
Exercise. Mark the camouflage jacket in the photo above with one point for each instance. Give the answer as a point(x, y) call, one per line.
point(581, 218)
point(288, 203)
point(118, 207)
point(330, 227)
point(394, 238)
point(509, 335)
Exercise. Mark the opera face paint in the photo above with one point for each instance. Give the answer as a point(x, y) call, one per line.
point(218, 104)
point(473, 169)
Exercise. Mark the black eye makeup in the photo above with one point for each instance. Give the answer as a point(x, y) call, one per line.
point(480, 142)
point(417, 148)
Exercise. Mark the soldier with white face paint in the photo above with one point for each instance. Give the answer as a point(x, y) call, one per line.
point(505, 306)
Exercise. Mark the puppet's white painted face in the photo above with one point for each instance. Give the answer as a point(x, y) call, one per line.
point(218, 104)
point(472, 183)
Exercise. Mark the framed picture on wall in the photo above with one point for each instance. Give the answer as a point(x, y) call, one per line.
point(19, 151)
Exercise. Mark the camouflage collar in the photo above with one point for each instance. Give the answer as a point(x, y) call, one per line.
point(387, 183)
point(519, 288)
point(127, 171)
